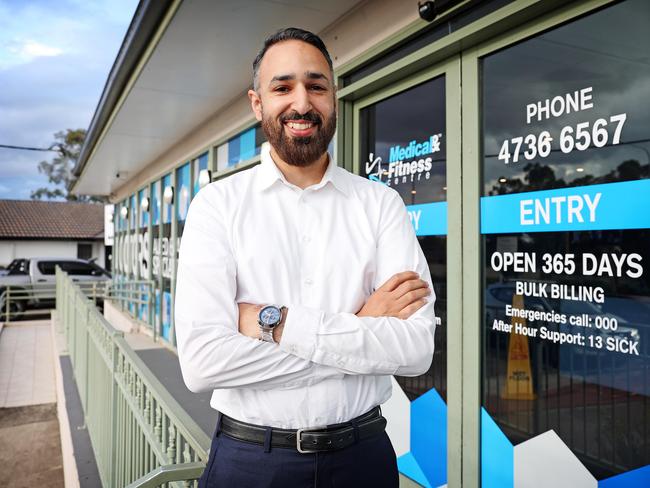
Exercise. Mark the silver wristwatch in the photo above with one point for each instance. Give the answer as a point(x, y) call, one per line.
point(268, 319)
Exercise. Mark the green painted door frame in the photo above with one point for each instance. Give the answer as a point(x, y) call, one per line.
point(458, 57)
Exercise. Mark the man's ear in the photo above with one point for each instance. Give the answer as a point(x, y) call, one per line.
point(256, 104)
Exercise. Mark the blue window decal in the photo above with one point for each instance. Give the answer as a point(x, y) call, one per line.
point(200, 164)
point(167, 208)
point(183, 191)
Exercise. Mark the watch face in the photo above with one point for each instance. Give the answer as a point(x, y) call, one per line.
point(270, 316)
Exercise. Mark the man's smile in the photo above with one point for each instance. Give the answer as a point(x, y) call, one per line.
point(300, 128)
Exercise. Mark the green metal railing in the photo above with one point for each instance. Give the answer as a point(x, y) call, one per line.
point(164, 474)
point(23, 301)
point(27, 300)
point(131, 295)
point(140, 435)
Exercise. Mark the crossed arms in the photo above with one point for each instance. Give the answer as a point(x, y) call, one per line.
point(217, 345)
point(400, 297)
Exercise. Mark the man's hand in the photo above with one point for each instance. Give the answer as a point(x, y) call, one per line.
point(401, 296)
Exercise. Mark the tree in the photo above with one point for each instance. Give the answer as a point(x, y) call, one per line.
point(68, 144)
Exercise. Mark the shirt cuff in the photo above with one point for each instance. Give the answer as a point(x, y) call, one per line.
point(299, 335)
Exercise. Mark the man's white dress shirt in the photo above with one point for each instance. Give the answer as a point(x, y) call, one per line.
point(254, 237)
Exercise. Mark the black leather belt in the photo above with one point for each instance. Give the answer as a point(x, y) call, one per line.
point(314, 439)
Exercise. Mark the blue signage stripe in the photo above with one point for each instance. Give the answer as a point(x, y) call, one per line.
point(247, 139)
point(429, 219)
point(624, 205)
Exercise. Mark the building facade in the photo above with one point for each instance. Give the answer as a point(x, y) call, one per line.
point(518, 135)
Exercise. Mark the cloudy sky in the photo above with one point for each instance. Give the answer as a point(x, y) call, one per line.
point(55, 57)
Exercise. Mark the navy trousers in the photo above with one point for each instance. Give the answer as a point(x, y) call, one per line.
point(236, 464)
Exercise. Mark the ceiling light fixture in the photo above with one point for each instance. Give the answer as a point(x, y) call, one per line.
point(205, 177)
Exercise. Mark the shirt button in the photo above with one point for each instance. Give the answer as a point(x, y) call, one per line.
point(308, 281)
point(306, 238)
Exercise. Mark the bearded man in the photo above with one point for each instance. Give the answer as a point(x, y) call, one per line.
point(301, 289)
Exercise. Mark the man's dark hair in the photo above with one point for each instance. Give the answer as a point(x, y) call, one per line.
point(289, 34)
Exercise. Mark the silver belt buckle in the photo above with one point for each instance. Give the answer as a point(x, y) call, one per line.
point(299, 439)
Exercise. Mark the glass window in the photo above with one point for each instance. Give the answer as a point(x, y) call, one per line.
point(198, 164)
point(18, 267)
point(156, 257)
point(242, 147)
point(166, 251)
point(403, 146)
point(84, 250)
point(133, 266)
point(143, 218)
point(405, 149)
point(76, 268)
point(121, 220)
point(48, 267)
point(133, 209)
point(166, 206)
point(183, 186)
point(121, 239)
point(98, 270)
point(155, 203)
point(566, 246)
point(143, 250)
point(222, 157)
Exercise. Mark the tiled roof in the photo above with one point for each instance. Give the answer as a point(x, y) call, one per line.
point(24, 219)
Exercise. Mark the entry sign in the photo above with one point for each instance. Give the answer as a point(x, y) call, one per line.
point(428, 219)
point(621, 205)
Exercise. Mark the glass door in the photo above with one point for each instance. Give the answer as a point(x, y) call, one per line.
point(565, 226)
point(406, 135)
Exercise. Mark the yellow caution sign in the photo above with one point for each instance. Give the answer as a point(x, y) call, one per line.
point(519, 381)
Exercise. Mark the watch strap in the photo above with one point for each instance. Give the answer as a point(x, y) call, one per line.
point(267, 334)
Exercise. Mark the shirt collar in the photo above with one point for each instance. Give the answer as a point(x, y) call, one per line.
point(268, 174)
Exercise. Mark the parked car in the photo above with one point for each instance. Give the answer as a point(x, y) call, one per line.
point(27, 281)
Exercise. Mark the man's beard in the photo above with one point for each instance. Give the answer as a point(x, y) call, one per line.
point(299, 151)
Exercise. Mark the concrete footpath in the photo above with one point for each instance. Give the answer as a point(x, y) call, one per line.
point(30, 439)
point(26, 364)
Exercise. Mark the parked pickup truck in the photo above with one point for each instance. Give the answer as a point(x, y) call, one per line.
point(29, 283)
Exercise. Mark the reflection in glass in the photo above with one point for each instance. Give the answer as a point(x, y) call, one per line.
point(166, 253)
point(143, 252)
point(593, 54)
point(156, 255)
point(403, 142)
point(403, 146)
point(198, 165)
point(596, 399)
